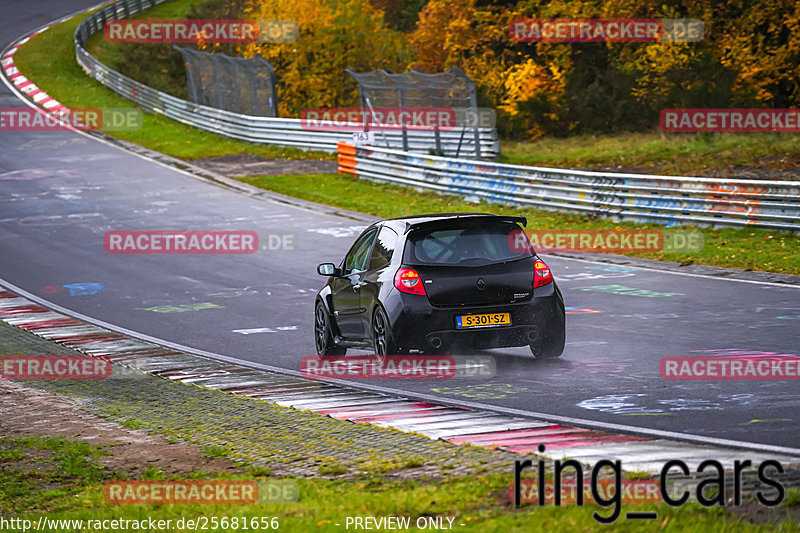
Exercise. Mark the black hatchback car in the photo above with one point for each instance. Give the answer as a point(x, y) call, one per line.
point(440, 283)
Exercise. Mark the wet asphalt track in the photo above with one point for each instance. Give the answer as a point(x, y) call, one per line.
point(60, 192)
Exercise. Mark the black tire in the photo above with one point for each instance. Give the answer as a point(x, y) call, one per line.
point(382, 336)
point(323, 335)
point(548, 347)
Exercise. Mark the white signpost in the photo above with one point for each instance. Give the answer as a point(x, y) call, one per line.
point(364, 138)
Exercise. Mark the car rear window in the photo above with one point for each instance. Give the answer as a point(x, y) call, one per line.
point(466, 244)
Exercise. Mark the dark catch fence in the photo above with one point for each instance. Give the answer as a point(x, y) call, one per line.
point(414, 90)
point(243, 86)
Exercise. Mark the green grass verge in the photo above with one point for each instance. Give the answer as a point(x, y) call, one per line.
point(735, 248)
point(63, 480)
point(45, 472)
point(670, 154)
point(49, 60)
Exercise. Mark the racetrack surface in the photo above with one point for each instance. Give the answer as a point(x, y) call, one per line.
point(60, 192)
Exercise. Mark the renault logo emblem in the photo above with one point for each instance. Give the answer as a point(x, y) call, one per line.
point(481, 284)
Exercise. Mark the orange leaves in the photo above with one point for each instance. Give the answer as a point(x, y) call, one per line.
point(530, 80)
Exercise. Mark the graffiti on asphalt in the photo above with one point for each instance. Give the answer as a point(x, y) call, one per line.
point(180, 308)
point(629, 291)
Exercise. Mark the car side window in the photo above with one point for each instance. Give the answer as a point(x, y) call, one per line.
point(358, 256)
point(383, 249)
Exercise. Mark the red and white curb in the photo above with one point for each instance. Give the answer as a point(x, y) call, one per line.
point(25, 85)
point(453, 424)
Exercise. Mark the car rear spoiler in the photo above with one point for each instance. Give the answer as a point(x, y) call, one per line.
point(477, 218)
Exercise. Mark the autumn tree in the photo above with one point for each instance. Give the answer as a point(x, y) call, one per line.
point(333, 36)
point(749, 55)
point(761, 43)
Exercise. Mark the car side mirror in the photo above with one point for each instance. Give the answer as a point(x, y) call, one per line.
point(328, 269)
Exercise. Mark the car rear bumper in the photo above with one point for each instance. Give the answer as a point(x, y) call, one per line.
point(482, 338)
point(416, 324)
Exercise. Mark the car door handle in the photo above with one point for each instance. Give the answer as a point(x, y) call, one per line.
point(358, 286)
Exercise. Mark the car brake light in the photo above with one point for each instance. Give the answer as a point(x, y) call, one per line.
point(541, 274)
point(408, 280)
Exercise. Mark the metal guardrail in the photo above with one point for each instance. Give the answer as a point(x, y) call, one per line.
point(666, 200)
point(266, 130)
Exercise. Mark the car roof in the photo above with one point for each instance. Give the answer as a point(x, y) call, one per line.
point(404, 224)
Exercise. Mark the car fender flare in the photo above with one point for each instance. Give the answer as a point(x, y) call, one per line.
point(371, 314)
point(324, 296)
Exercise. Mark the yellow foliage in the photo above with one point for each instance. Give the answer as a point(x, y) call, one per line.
point(333, 36)
point(530, 80)
point(750, 48)
point(764, 48)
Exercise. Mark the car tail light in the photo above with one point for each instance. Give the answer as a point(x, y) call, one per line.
point(541, 274)
point(408, 280)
